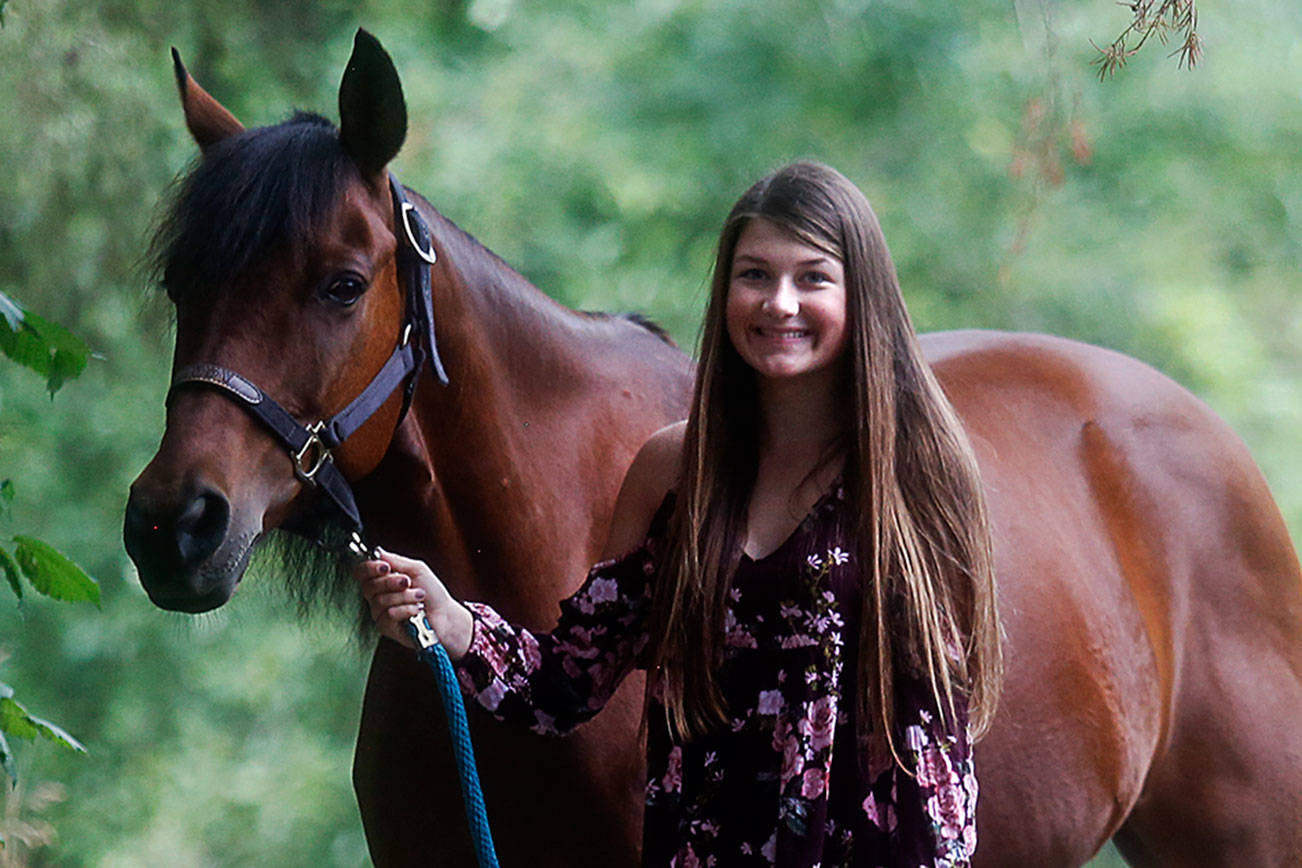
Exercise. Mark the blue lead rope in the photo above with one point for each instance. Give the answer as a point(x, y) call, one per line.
point(433, 653)
point(429, 649)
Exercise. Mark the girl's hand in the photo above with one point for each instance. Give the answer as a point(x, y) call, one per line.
point(396, 588)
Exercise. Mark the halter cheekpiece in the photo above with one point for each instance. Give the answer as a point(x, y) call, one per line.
point(311, 447)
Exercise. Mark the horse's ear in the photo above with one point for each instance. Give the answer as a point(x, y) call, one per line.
point(372, 112)
point(208, 120)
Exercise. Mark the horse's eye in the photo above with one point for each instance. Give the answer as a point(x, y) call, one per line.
point(343, 289)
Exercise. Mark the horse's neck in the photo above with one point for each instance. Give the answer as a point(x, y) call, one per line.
point(501, 478)
point(516, 350)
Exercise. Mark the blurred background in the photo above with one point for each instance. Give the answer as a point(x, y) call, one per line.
point(596, 146)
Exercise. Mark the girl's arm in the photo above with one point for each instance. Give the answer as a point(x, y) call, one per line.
point(549, 681)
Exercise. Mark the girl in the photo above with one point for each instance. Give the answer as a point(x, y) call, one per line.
point(803, 567)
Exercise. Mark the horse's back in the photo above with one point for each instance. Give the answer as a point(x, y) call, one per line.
point(1153, 606)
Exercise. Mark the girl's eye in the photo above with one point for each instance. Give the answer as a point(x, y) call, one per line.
point(343, 290)
point(817, 277)
point(751, 274)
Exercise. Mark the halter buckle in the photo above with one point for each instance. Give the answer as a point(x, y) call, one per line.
point(312, 456)
point(428, 255)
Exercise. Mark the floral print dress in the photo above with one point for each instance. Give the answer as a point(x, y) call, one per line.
point(786, 782)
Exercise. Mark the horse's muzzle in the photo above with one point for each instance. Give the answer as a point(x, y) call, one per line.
point(177, 549)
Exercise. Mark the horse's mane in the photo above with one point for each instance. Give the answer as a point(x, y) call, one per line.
point(650, 325)
point(470, 247)
point(268, 188)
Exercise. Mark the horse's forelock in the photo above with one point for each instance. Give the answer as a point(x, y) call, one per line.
point(267, 191)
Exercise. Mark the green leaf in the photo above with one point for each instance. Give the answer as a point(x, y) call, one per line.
point(10, 569)
point(15, 720)
point(67, 353)
point(65, 366)
point(24, 346)
point(57, 734)
point(42, 345)
point(52, 574)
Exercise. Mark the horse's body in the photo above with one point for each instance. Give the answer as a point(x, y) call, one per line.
point(1150, 594)
point(1153, 608)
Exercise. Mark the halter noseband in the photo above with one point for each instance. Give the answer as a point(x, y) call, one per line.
point(311, 447)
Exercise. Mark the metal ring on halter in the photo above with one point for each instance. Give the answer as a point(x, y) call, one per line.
point(316, 459)
point(428, 255)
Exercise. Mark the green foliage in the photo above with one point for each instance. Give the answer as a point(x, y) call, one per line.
point(57, 355)
point(596, 147)
point(52, 573)
point(15, 720)
point(45, 347)
point(49, 572)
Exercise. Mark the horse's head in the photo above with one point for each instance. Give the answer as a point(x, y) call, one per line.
point(279, 254)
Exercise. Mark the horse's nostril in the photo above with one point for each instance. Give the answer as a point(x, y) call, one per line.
point(170, 543)
point(201, 527)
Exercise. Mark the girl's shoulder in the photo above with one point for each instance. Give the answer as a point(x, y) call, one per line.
point(653, 473)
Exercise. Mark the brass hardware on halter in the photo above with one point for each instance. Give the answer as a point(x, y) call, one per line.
point(309, 459)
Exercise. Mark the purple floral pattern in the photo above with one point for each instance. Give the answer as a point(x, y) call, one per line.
point(785, 783)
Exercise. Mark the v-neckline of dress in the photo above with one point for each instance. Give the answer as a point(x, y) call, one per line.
point(827, 495)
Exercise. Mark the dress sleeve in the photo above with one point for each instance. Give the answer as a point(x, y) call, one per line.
point(940, 752)
point(552, 682)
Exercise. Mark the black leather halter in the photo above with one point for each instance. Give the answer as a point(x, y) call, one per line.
point(311, 447)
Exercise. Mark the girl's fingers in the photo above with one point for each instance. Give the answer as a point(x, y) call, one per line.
point(370, 570)
point(401, 614)
point(400, 598)
point(401, 564)
point(385, 584)
point(395, 588)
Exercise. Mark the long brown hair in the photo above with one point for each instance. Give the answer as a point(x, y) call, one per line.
point(919, 525)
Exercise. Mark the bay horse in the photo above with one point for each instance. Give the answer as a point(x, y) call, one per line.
point(1150, 594)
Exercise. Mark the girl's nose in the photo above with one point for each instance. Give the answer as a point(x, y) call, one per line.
point(783, 301)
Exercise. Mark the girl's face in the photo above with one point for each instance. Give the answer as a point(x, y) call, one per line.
point(786, 303)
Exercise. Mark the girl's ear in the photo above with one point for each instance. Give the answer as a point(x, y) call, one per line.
point(372, 112)
point(208, 120)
